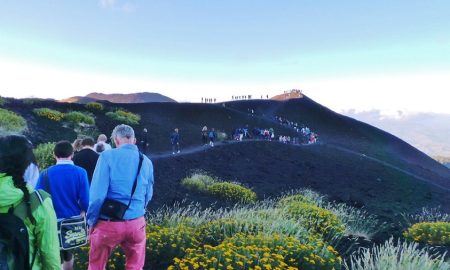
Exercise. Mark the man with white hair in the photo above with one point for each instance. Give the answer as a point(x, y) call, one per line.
point(121, 188)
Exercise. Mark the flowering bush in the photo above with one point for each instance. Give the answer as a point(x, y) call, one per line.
point(49, 114)
point(79, 117)
point(94, 106)
point(318, 220)
point(11, 122)
point(116, 260)
point(260, 252)
point(433, 233)
point(232, 192)
point(44, 155)
point(124, 117)
point(166, 243)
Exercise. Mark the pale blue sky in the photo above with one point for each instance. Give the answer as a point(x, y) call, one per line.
point(188, 49)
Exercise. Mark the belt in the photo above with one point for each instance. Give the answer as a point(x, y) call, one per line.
point(116, 220)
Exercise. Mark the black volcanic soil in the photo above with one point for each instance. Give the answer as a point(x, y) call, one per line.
point(354, 162)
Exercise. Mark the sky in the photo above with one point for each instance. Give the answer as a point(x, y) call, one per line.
point(361, 55)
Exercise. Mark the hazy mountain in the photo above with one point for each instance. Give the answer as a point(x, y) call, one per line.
point(143, 97)
point(428, 132)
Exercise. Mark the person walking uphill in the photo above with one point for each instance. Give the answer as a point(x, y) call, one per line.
point(175, 141)
point(69, 187)
point(121, 188)
point(34, 210)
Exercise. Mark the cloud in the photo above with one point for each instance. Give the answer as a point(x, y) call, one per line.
point(107, 3)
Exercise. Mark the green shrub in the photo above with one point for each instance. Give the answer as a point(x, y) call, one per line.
point(124, 117)
point(232, 192)
point(294, 199)
point(44, 155)
point(316, 219)
point(50, 114)
point(198, 181)
point(396, 257)
point(11, 122)
point(260, 252)
point(432, 233)
point(94, 106)
point(2, 101)
point(79, 118)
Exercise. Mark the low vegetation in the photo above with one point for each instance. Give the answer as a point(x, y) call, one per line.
point(234, 192)
point(396, 257)
point(11, 122)
point(76, 118)
point(2, 101)
point(268, 235)
point(50, 114)
point(124, 117)
point(94, 106)
point(432, 233)
point(44, 155)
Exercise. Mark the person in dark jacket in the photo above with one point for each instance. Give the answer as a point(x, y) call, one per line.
point(144, 143)
point(175, 141)
point(87, 158)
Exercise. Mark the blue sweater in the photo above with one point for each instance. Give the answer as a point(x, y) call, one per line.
point(69, 188)
point(114, 177)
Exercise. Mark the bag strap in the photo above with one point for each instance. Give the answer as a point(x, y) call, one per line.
point(141, 158)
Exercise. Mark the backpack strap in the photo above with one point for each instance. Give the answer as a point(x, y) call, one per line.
point(36, 199)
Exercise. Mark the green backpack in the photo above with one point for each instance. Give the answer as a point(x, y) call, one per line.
point(14, 239)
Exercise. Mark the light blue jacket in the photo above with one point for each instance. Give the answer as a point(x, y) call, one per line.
point(113, 178)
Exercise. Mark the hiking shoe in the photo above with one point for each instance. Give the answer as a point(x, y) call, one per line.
point(178, 151)
point(173, 153)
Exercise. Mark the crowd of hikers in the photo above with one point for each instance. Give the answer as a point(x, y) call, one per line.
point(93, 191)
point(103, 188)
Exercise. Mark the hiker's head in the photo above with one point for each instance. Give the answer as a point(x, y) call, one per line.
point(123, 134)
point(176, 130)
point(88, 142)
point(16, 154)
point(102, 138)
point(63, 150)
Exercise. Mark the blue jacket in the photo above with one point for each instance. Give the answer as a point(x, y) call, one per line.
point(69, 188)
point(113, 178)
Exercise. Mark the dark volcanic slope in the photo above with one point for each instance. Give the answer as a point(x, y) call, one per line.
point(271, 168)
point(354, 162)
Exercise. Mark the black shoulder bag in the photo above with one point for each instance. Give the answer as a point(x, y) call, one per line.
point(115, 209)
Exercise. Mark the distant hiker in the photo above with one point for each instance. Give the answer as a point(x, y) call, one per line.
point(27, 217)
point(69, 187)
point(87, 157)
point(175, 141)
point(205, 135)
point(212, 137)
point(102, 140)
point(77, 145)
point(144, 143)
point(121, 189)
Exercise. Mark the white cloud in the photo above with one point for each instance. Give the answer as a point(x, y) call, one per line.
point(107, 3)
